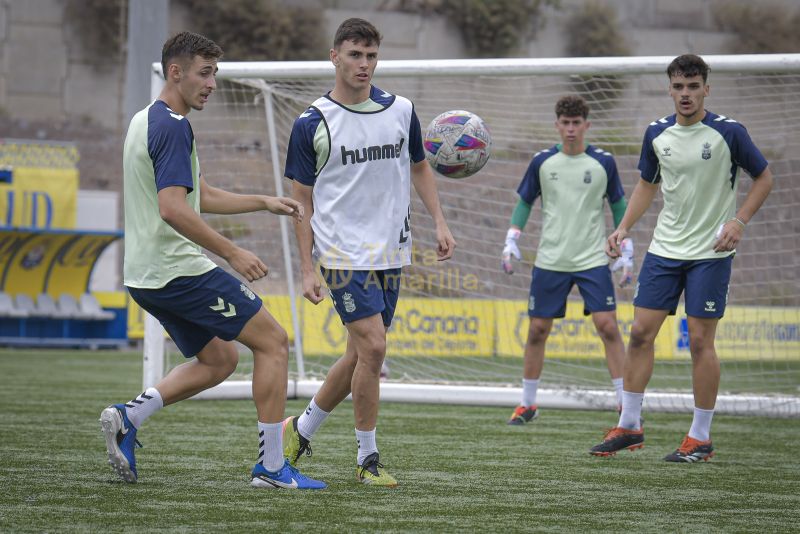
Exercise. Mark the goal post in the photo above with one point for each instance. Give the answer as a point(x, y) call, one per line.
point(460, 326)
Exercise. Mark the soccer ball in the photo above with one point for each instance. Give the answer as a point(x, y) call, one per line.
point(457, 144)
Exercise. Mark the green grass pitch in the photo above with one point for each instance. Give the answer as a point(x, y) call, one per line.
point(461, 469)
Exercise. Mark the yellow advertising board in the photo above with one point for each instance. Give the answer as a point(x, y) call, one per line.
point(431, 327)
point(574, 336)
point(38, 184)
point(135, 319)
point(486, 328)
point(442, 327)
point(752, 333)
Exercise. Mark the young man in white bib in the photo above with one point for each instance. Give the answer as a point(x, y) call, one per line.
point(694, 156)
point(352, 156)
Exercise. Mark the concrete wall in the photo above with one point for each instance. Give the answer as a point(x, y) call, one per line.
point(45, 75)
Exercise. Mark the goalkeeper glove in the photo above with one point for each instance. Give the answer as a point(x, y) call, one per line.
point(511, 249)
point(625, 262)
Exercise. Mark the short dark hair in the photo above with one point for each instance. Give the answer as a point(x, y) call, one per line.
point(688, 65)
point(359, 31)
point(572, 106)
point(187, 45)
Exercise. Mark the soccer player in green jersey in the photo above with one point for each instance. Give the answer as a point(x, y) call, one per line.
point(574, 180)
point(695, 156)
point(202, 307)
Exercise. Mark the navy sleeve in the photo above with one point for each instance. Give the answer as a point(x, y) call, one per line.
point(744, 152)
point(301, 158)
point(415, 139)
point(169, 142)
point(530, 186)
point(614, 190)
point(648, 161)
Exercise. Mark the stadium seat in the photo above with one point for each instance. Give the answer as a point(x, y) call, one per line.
point(8, 309)
point(25, 302)
point(48, 308)
point(92, 309)
point(69, 307)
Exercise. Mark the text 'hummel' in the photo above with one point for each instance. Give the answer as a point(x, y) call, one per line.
point(372, 153)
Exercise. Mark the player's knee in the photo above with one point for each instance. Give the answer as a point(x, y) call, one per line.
point(608, 330)
point(641, 337)
point(700, 345)
point(280, 339)
point(372, 351)
point(376, 350)
point(279, 343)
point(537, 333)
point(226, 361)
point(273, 341)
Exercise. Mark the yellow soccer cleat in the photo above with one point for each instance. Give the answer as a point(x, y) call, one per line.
point(371, 472)
point(294, 445)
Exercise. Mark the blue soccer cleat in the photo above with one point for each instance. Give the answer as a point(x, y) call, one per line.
point(121, 439)
point(286, 477)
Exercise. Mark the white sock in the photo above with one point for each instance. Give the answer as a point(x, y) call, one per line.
point(631, 410)
point(311, 419)
point(618, 388)
point(529, 388)
point(701, 424)
point(270, 445)
point(143, 406)
point(366, 443)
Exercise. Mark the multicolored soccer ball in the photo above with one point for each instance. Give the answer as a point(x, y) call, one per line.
point(457, 144)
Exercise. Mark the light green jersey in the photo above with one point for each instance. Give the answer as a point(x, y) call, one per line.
point(573, 190)
point(697, 167)
point(159, 152)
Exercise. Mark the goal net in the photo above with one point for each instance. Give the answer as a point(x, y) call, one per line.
point(460, 327)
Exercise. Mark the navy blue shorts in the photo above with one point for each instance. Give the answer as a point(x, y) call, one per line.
point(196, 309)
point(360, 294)
point(705, 282)
point(549, 291)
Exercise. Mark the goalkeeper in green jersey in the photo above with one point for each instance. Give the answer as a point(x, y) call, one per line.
point(574, 180)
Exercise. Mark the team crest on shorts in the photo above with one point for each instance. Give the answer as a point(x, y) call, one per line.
point(706, 151)
point(349, 305)
point(246, 291)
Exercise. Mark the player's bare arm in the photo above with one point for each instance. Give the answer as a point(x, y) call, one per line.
point(733, 230)
point(216, 200)
point(312, 289)
point(176, 212)
point(425, 186)
point(641, 198)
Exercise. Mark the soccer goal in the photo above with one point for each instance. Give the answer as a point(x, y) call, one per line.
point(461, 326)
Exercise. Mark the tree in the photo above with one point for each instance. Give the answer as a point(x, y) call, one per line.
point(761, 28)
point(259, 29)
